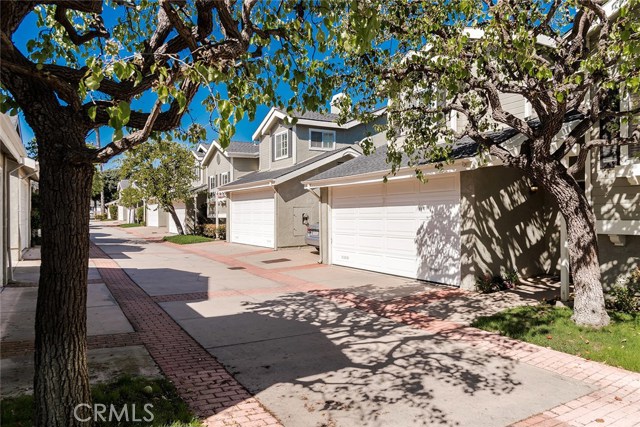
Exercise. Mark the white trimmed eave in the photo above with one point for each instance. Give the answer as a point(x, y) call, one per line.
point(243, 155)
point(274, 115)
point(459, 165)
point(248, 186)
point(293, 174)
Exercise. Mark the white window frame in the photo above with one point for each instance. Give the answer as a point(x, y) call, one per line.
point(211, 183)
point(322, 131)
point(284, 151)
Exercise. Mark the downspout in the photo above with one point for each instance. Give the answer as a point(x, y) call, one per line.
point(319, 197)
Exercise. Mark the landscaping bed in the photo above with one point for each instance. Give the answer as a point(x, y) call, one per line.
point(168, 409)
point(132, 225)
point(617, 344)
point(187, 239)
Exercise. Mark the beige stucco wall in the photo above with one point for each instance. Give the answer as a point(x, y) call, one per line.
point(505, 226)
point(613, 198)
point(616, 261)
point(243, 166)
point(291, 201)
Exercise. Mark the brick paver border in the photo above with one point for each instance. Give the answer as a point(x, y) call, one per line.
point(209, 390)
point(22, 348)
point(616, 402)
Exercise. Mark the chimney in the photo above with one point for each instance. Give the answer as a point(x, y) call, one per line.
point(335, 99)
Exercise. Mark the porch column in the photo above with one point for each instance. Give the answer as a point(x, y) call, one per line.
point(564, 261)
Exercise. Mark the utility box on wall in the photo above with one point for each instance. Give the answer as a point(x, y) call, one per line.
point(300, 221)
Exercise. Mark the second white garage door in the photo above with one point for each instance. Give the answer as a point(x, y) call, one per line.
point(252, 218)
point(403, 227)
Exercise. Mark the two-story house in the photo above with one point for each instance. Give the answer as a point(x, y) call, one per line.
point(221, 166)
point(270, 207)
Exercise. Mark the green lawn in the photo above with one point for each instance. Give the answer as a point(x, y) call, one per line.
point(617, 344)
point(141, 224)
point(187, 239)
point(168, 409)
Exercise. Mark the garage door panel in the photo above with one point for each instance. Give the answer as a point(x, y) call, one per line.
point(252, 218)
point(408, 229)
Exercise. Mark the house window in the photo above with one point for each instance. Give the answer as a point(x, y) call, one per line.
point(609, 157)
point(609, 129)
point(212, 183)
point(281, 145)
point(322, 139)
point(224, 178)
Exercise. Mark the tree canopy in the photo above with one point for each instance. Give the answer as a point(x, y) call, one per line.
point(447, 70)
point(163, 170)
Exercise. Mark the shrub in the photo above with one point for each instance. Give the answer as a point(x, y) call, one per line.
point(625, 293)
point(113, 211)
point(209, 230)
point(489, 283)
point(222, 232)
point(101, 217)
point(486, 284)
point(140, 214)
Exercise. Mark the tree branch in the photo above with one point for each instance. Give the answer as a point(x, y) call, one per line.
point(77, 39)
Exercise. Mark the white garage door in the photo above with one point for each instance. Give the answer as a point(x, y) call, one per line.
point(153, 215)
point(403, 227)
point(252, 218)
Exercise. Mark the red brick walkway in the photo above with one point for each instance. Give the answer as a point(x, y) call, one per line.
point(616, 402)
point(209, 390)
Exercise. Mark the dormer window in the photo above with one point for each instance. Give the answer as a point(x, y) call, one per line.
point(322, 139)
point(281, 145)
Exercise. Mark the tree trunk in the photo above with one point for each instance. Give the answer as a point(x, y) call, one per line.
point(589, 305)
point(61, 381)
point(169, 207)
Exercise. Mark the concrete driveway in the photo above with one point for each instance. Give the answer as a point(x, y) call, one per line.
point(321, 346)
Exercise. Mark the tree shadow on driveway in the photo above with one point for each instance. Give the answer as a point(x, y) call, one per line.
point(346, 367)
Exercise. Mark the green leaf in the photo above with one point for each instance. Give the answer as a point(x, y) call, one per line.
point(92, 112)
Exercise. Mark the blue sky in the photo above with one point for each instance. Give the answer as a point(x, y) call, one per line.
point(197, 113)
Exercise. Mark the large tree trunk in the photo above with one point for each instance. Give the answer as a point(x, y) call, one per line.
point(61, 380)
point(169, 207)
point(589, 304)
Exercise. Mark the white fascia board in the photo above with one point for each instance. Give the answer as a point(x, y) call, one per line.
point(243, 155)
point(272, 115)
point(275, 115)
point(249, 186)
point(460, 165)
point(348, 152)
point(11, 138)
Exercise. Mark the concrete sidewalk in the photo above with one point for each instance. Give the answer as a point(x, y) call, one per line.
point(114, 347)
point(321, 345)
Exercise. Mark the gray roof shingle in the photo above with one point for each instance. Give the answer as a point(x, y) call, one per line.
point(377, 162)
point(277, 173)
point(313, 115)
point(242, 147)
point(463, 148)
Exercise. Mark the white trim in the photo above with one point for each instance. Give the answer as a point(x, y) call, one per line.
point(274, 114)
point(273, 144)
point(616, 226)
point(469, 163)
point(276, 181)
point(314, 165)
point(294, 144)
point(322, 131)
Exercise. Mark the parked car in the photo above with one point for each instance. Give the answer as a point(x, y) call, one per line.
point(313, 236)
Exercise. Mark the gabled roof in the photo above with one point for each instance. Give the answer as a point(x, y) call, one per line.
point(377, 161)
point(235, 149)
point(277, 176)
point(464, 148)
point(309, 118)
